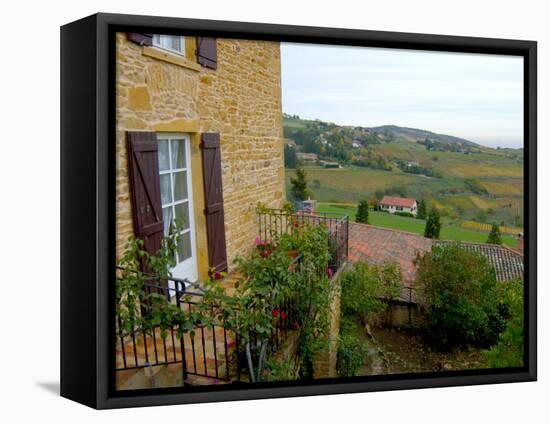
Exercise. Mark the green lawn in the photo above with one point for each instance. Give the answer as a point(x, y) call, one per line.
point(386, 220)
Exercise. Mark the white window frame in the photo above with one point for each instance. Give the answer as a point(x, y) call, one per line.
point(160, 42)
point(166, 137)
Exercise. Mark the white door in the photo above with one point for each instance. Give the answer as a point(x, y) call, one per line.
point(177, 200)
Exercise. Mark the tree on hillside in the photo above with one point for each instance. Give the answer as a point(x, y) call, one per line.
point(494, 236)
point(373, 202)
point(379, 194)
point(433, 225)
point(422, 210)
point(362, 215)
point(291, 161)
point(299, 189)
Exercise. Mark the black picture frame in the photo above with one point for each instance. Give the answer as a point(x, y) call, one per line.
point(87, 207)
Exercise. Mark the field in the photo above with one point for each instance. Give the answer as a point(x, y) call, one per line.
point(351, 184)
point(499, 174)
point(471, 188)
point(449, 231)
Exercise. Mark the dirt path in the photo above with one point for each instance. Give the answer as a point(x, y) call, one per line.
point(394, 350)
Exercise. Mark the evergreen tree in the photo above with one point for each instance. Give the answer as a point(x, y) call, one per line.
point(433, 225)
point(494, 235)
point(299, 189)
point(362, 215)
point(291, 161)
point(422, 210)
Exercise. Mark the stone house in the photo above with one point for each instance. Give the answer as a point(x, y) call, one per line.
point(199, 138)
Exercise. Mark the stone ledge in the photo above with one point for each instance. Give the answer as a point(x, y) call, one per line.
point(170, 58)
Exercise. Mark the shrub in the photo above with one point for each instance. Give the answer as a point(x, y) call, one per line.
point(508, 351)
point(460, 291)
point(362, 215)
point(352, 350)
point(365, 286)
point(277, 371)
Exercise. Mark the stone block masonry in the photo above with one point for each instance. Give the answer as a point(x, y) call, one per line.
point(241, 100)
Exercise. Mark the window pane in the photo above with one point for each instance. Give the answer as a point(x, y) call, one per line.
point(167, 219)
point(175, 42)
point(164, 163)
point(178, 154)
point(165, 189)
point(180, 185)
point(182, 215)
point(184, 246)
point(156, 39)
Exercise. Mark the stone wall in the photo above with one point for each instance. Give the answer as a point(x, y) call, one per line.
point(241, 100)
point(324, 363)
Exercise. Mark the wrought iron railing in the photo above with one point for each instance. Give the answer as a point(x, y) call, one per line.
point(209, 353)
point(213, 352)
point(274, 222)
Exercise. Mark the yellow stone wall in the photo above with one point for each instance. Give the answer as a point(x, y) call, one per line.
point(241, 100)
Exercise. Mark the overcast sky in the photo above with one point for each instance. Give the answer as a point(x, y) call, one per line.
point(473, 96)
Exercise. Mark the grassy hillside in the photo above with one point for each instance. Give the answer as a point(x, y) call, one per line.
point(449, 230)
point(469, 183)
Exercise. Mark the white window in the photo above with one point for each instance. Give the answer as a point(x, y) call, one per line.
point(172, 43)
point(177, 200)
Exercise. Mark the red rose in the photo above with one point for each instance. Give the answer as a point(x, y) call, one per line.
point(283, 315)
point(274, 312)
point(296, 224)
point(217, 276)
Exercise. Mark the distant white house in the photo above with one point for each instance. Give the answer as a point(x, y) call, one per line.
point(398, 204)
point(356, 144)
point(307, 157)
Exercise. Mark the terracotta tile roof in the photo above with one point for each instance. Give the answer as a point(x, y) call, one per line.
point(507, 262)
point(397, 201)
point(375, 245)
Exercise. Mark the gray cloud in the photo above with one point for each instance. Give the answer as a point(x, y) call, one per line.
point(475, 96)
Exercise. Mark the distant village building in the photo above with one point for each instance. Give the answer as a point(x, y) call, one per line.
point(329, 165)
point(356, 144)
point(399, 204)
point(307, 157)
point(291, 143)
point(308, 206)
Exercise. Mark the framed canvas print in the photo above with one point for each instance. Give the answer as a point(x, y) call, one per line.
point(259, 211)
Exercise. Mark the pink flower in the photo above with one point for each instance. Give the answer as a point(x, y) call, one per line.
point(217, 276)
point(258, 240)
point(274, 312)
point(330, 273)
point(283, 315)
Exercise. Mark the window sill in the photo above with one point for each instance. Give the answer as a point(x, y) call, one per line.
point(170, 58)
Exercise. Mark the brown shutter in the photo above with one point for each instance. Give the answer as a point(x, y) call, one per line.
point(145, 188)
point(141, 39)
point(207, 52)
point(213, 193)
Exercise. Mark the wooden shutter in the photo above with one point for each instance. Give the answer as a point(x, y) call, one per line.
point(145, 189)
point(207, 52)
point(213, 193)
point(141, 39)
